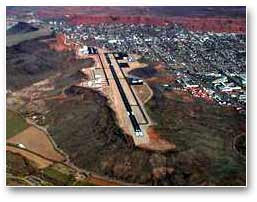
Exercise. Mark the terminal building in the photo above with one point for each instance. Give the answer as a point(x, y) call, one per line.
point(135, 81)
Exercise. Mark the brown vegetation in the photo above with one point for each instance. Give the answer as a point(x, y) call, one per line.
point(27, 64)
point(184, 95)
point(40, 163)
point(161, 80)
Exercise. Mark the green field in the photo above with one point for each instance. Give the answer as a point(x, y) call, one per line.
point(14, 124)
point(58, 178)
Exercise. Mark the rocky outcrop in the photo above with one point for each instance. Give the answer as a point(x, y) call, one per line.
point(59, 45)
